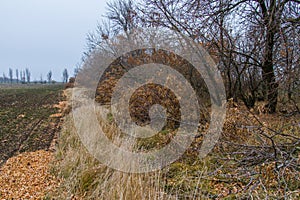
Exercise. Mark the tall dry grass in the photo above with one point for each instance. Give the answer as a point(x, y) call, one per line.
point(242, 165)
point(84, 177)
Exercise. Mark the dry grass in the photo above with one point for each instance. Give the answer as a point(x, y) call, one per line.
point(227, 173)
point(85, 178)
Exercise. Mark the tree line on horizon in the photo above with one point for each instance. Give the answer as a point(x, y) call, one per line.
point(24, 77)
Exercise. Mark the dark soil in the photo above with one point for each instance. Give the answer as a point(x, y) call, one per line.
point(25, 124)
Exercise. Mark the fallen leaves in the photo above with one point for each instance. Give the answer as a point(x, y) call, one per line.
point(20, 116)
point(57, 115)
point(27, 176)
point(63, 108)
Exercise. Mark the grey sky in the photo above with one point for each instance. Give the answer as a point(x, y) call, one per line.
point(45, 35)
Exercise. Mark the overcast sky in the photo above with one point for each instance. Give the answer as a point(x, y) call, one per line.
point(45, 35)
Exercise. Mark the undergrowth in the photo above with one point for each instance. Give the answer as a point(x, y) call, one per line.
point(257, 157)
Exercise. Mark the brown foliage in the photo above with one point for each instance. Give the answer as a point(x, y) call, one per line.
point(151, 94)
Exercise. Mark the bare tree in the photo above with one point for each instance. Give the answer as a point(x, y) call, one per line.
point(122, 15)
point(21, 76)
point(24, 77)
point(10, 75)
point(243, 34)
point(65, 76)
point(28, 75)
point(41, 79)
point(4, 77)
point(49, 76)
point(17, 75)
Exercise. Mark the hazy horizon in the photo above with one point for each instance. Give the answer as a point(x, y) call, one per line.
point(46, 35)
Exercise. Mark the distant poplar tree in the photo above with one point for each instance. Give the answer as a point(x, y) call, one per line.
point(28, 74)
point(65, 76)
point(23, 77)
point(49, 76)
point(4, 78)
point(10, 73)
point(17, 75)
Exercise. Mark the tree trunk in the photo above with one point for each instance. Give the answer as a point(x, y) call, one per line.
point(271, 86)
point(268, 74)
